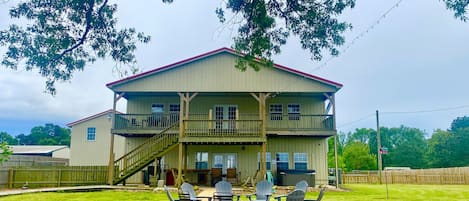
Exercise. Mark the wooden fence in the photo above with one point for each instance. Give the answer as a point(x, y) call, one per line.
point(420, 176)
point(33, 177)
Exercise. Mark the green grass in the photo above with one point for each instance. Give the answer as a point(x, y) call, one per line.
point(356, 192)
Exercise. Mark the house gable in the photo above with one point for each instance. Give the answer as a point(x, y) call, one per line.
point(215, 72)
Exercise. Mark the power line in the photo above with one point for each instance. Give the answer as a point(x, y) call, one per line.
point(361, 35)
point(355, 121)
point(404, 113)
point(428, 111)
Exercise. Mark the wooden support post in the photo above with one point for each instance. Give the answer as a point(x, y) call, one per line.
point(336, 155)
point(262, 98)
point(111, 145)
point(10, 178)
point(59, 177)
point(210, 118)
point(185, 158)
point(181, 135)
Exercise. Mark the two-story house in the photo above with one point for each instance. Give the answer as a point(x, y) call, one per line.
point(202, 115)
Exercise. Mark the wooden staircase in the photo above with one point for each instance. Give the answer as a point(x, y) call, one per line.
point(146, 153)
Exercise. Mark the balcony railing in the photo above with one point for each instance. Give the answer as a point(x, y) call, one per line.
point(222, 128)
point(245, 124)
point(145, 121)
point(300, 122)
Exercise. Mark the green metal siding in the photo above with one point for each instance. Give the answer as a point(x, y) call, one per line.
point(218, 74)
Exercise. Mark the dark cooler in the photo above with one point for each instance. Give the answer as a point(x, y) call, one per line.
point(291, 177)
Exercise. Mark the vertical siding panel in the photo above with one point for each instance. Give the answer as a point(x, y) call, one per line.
point(217, 73)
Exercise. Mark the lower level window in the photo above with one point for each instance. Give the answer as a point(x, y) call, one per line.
point(91, 134)
point(301, 161)
point(201, 160)
point(282, 161)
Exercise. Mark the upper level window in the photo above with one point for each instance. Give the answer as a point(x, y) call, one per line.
point(174, 108)
point(301, 161)
point(282, 161)
point(201, 160)
point(157, 108)
point(276, 111)
point(91, 134)
point(293, 111)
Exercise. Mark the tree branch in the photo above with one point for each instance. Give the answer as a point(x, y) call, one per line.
point(88, 27)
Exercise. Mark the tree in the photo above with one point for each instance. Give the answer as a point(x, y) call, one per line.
point(5, 152)
point(357, 157)
point(331, 153)
point(459, 7)
point(61, 37)
point(406, 146)
point(266, 25)
point(49, 134)
point(440, 152)
point(5, 137)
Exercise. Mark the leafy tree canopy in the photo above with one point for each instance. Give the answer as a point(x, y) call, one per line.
point(460, 8)
point(5, 152)
point(61, 37)
point(58, 38)
point(49, 134)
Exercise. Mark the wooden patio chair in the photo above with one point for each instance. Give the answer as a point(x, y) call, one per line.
point(187, 191)
point(263, 191)
point(321, 194)
point(231, 175)
point(215, 175)
point(296, 195)
point(250, 181)
point(224, 192)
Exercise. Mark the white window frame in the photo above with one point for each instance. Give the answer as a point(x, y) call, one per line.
point(268, 160)
point(293, 115)
point(300, 158)
point(276, 115)
point(156, 105)
point(88, 134)
point(201, 157)
point(283, 161)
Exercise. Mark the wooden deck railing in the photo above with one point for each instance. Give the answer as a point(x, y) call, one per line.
point(144, 154)
point(300, 122)
point(222, 128)
point(145, 121)
point(246, 123)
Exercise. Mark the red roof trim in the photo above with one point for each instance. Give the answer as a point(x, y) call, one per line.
point(224, 49)
point(91, 117)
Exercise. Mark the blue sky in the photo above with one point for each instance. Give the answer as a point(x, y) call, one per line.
point(414, 59)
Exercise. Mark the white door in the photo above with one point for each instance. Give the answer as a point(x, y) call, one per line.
point(225, 116)
point(224, 161)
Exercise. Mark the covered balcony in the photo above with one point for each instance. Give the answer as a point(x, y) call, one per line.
point(203, 127)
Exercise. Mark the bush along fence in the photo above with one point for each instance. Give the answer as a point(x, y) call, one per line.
point(34, 177)
point(418, 176)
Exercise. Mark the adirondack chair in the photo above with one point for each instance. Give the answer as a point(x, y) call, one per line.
point(296, 195)
point(224, 191)
point(263, 191)
point(302, 185)
point(187, 190)
point(321, 194)
point(170, 197)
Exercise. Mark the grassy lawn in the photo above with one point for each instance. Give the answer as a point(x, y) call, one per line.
point(356, 193)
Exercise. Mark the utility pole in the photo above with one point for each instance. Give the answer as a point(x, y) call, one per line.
point(378, 139)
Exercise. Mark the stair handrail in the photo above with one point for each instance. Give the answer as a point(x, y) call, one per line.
point(147, 142)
